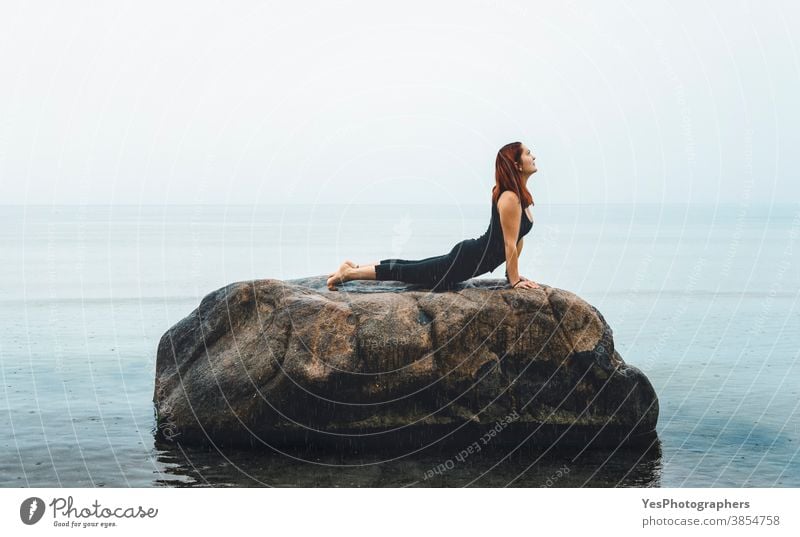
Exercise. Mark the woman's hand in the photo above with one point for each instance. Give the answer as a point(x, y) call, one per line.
point(525, 283)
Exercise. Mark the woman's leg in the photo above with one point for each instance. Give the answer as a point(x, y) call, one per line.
point(431, 272)
point(434, 272)
point(348, 271)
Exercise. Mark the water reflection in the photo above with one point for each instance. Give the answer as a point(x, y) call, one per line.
point(493, 466)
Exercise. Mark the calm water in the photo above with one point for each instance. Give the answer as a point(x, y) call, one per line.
point(703, 298)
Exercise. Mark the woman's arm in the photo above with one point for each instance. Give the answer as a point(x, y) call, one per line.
point(510, 209)
point(519, 253)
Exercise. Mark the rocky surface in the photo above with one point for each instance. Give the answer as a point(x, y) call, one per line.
point(384, 365)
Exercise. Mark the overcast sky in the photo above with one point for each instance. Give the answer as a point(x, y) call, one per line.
point(377, 102)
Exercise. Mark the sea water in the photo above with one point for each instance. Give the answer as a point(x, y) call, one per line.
point(702, 298)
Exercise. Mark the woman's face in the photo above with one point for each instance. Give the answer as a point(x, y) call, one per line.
point(527, 161)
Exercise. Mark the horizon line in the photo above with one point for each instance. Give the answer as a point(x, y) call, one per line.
point(272, 204)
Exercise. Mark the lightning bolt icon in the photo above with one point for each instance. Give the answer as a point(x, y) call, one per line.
point(34, 505)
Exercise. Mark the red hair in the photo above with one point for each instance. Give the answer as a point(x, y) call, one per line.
point(506, 174)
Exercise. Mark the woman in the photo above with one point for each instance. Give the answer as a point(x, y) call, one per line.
point(471, 257)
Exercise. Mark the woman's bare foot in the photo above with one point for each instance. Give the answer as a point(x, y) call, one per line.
point(341, 274)
point(346, 262)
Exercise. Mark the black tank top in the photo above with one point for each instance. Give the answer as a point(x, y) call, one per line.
point(492, 242)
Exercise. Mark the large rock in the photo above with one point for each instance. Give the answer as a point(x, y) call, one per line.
point(378, 365)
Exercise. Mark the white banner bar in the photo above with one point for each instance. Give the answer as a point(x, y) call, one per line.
point(398, 512)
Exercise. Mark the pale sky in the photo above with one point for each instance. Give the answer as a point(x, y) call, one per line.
point(380, 102)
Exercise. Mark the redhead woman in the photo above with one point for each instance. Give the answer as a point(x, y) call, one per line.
point(511, 220)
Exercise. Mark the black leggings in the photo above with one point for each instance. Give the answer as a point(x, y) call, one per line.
point(437, 272)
